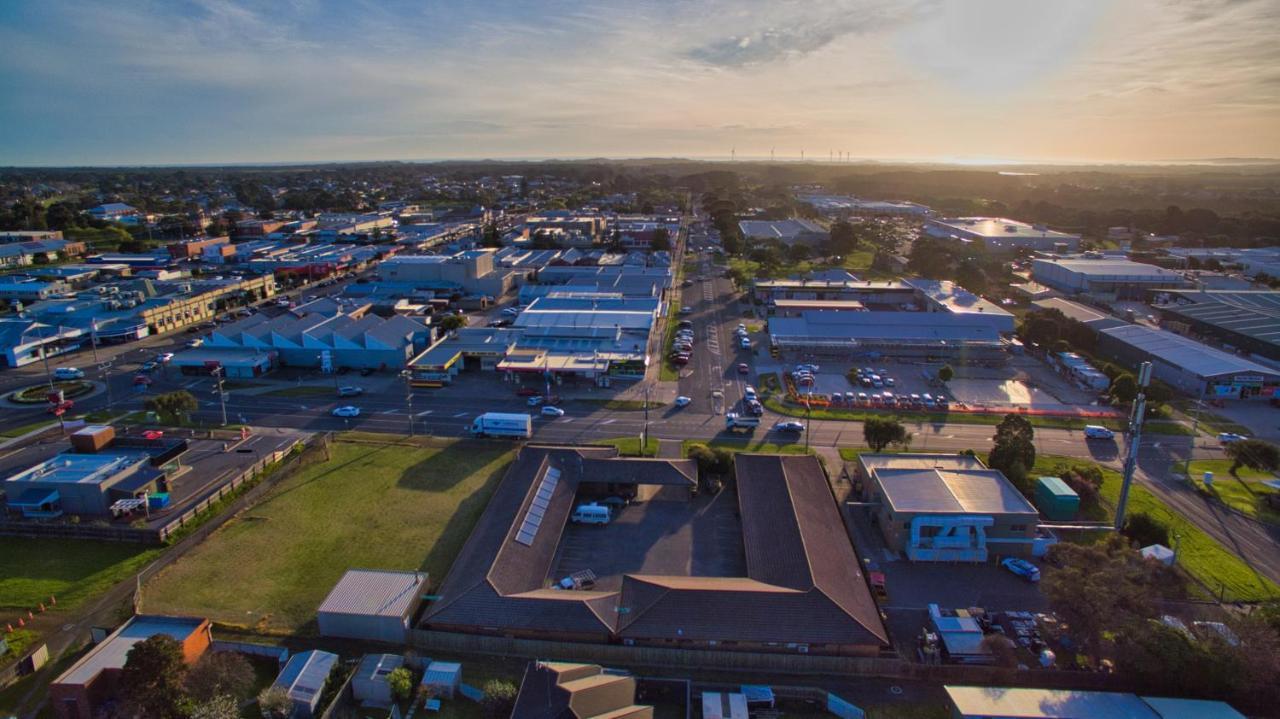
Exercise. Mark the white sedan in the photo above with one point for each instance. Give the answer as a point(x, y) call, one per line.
point(683, 401)
point(550, 411)
point(347, 411)
point(788, 427)
point(1229, 437)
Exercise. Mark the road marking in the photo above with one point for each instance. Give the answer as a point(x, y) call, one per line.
point(424, 414)
point(566, 420)
point(609, 421)
point(389, 411)
point(461, 414)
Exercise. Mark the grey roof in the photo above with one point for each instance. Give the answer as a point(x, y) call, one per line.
point(1255, 314)
point(304, 676)
point(1124, 269)
point(999, 227)
point(1187, 354)
point(781, 229)
point(1020, 703)
point(902, 326)
point(1080, 313)
point(374, 592)
point(941, 484)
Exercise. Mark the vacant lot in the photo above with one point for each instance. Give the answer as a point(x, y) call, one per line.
point(72, 570)
point(372, 505)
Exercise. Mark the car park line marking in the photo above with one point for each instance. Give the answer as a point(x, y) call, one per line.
point(609, 421)
point(390, 411)
point(461, 414)
point(427, 412)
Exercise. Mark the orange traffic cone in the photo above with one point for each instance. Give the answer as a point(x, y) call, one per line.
point(41, 605)
point(22, 622)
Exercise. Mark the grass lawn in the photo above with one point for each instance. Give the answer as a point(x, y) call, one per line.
point(858, 260)
point(71, 570)
point(630, 446)
point(303, 391)
point(1244, 492)
point(393, 505)
point(28, 427)
point(749, 444)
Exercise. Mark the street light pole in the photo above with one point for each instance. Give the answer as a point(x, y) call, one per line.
point(222, 398)
point(644, 439)
point(408, 396)
point(1135, 438)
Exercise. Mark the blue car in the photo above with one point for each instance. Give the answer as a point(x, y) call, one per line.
point(1022, 568)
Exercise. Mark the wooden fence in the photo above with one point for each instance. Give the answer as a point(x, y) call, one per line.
point(763, 662)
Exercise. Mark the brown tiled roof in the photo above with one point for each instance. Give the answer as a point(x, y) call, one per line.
point(636, 470)
point(557, 690)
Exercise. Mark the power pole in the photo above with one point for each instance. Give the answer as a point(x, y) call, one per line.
point(222, 397)
point(408, 396)
point(644, 438)
point(1135, 438)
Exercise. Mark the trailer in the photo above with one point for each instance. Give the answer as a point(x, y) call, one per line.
point(500, 424)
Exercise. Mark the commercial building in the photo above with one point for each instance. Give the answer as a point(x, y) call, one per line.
point(318, 334)
point(372, 605)
point(1189, 366)
point(1248, 321)
point(83, 690)
point(998, 234)
point(948, 508)
point(114, 211)
point(802, 590)
point(471, 272)
point(90, 480)
point(18, 288)
point(23, 341)
point(845, 205)
point(303, 680)
point(1084, 314)
point(931, 336)
point(1023, 703)
point(563, 690)
point(791, 232)
point(23, 253)
point(1104, 278)
point(567, 228)
point(192, 249)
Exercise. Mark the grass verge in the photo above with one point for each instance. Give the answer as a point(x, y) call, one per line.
point(622, 405)
point(630, 446)
point(72, 570)
point(28, 427)
point(303, 391)
point(407, 506)
point(748, 444)
point(1243, 492)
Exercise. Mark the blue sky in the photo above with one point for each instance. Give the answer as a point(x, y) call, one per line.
point(193, 81)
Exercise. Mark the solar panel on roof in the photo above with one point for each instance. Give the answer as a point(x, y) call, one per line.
point(541, 502)
point(538, 507)
point(524, 538)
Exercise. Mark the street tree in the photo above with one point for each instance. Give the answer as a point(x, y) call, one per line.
point(1013, 449)
point(880, 432)
point(151, 683)
point(1124, 388)
point(449, 323)
point(945, 373)
point(1254, 454)
point(173, 406)
point(661, 241)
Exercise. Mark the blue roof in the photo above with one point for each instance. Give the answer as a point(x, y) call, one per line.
point(1057, 487)
point(304, 676)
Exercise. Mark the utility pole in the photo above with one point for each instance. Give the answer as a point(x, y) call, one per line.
point(103, 367)
point(644, 438)
point(222, 397)
point(808, 415)
point(408, 396)
point(1135, 438)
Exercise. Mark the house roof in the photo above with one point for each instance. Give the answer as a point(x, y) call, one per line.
point(562, 690)
point(112, 652)
point(803, 583)
point(304, 676)
point(943, 484)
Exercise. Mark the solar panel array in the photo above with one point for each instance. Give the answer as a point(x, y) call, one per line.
point(538, 507)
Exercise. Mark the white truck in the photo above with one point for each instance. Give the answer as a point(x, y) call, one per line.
point(734, 421)
point(500, 424)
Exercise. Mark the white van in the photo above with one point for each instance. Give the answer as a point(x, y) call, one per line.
point(591, 514)
point(1093, 431)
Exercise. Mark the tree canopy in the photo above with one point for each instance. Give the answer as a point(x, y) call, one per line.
point(880, 432)
point(151, 683)
point(1254, 454)
point(1013, 450)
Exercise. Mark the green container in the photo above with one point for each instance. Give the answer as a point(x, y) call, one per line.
point(1056, 500)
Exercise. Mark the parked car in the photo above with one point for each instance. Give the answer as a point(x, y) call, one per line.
point(686, 310)
point(149, 366)
point(550, 411)
point(526, 392)
point(68, 373)
point(889, 382)
point(346, 411)
point(350, 391)
point(791, 426)
point(141, 380)
point(366, 371)
point(744, 368)
point(749, 392)
point(1229, 437)
point(535, 400)
point(164, 357)
point(754, 407)
point(1022, 568)
point(1093, 431)
point(510, 311)
point(194, 343)
point(683, 401)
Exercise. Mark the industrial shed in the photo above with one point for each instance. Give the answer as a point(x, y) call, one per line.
point(372, 605)
point(1187, 365)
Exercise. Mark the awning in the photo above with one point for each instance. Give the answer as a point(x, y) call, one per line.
point(35, 498)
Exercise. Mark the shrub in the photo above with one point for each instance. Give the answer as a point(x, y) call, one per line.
point(1145, 530)
point(499, 699)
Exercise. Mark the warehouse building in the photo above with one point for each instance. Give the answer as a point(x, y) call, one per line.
point(791, 232)
point(931, 336)
point(90, 684)
point(471, 272)
point(948, 508)
point(1189, 366)
point(998, 234)
point(1084, 314)
point(372, 605)
point(1025, 703)
point(1248, 321)
point(1111, 279)
point(802, 590)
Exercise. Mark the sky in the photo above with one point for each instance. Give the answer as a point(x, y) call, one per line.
point(242, 81)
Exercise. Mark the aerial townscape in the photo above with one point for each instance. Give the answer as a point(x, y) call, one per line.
point(534, 363)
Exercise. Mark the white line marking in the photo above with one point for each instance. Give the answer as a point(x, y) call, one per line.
point(462, 414)
point(424, 414)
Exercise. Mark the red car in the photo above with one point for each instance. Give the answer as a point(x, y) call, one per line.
point(743, 368)
point(527, 392)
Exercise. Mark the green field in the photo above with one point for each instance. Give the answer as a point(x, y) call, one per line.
point(1244, 492)
point(630, 446)
point(750, 444)
point(69, 569)
point(373, 505)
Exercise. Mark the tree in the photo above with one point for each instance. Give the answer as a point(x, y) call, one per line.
point(499, 699)
point(173, 406)
point(1145, 530)
point(400, 682)
point(1099, 587)
point(223, 706)
point(945, 373)
point(1254, 454)
point(712, 460)
point(661, 241)
point(1086, 482)
point(1124, 388)
point(843, 239)
point(151, 683)
point(880, 432)
point(220, 674)
point(449, 323)
point(274, 703)
point(1013, 449)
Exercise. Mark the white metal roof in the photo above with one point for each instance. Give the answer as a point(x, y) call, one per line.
point(1187, 354)
point(376, 593)
point(1018, 703)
